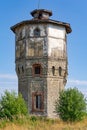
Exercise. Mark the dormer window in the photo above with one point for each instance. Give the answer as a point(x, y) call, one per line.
point(37, 32)
point(40, 15)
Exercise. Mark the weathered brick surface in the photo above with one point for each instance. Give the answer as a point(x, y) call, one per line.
point(48, 50)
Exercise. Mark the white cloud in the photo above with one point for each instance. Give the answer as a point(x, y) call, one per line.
point(80, 84)
point(8, 76)
point(77, 82)
point(8, 82)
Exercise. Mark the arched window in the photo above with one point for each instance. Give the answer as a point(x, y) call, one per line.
point(37, 70)
point(22, 69)
point(37, 32)
point(18, 70)
point(60, 71)
point(53, 70)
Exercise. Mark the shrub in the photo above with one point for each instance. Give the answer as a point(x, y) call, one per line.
point(33, 118)
point(71, 105)
point(12, 105)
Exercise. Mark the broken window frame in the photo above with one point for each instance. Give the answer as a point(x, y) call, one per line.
point(37, 101)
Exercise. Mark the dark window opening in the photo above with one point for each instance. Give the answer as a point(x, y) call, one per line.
point(40, 15)
point(18, 70)
point(37, 69)
point(22, 69)
point(60, 71)
point(37, 101)
point(37, 32)
point(53, 70)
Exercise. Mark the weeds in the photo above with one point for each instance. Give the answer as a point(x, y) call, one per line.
point(40, 123)
point(3, 123)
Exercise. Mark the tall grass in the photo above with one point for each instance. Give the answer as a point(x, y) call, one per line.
point(40, 123)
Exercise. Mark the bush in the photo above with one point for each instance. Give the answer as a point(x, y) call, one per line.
point(71, 105)
point(33, 118)
point(12, 105)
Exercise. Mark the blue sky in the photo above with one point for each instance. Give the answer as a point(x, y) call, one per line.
point(71, 11)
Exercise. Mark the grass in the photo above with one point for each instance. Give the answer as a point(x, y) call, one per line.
point(34, 123)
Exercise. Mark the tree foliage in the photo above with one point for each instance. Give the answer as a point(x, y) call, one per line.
point(71, 105)
point(12, 105)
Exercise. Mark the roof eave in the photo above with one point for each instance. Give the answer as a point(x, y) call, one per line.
point(66, 25)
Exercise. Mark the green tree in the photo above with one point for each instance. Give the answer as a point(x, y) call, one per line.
point(12, 105)
point(71, 105)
